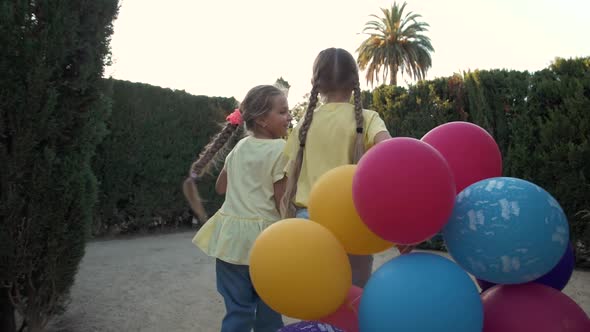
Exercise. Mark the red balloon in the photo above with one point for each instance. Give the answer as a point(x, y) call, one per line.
point(346, 317)
point(471, 152)
point(403, 190)
point(531, 307)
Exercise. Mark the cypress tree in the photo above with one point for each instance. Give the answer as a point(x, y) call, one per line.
point(52, 114)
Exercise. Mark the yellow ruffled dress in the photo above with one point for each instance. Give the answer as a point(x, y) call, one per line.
point(253, 166)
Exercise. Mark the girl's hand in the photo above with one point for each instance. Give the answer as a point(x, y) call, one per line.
point(405, 249)
point(191, 172)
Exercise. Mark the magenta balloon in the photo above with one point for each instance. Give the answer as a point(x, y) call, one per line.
point(403, 190)
point(471, 152)
point(531, 307)
point(346, 317)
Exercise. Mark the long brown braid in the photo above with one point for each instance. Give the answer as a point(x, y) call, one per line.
point(201, 166)
point(287, 208)
point(258, 102)
point(203, 162)
point(359, 142)
point(334, 69)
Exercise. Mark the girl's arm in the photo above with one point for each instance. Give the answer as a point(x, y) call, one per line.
point(221, 184)
point(279, 188)
point(191, 193)
point(381, 136)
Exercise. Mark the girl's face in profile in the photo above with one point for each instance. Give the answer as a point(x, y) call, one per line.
point(276, 122)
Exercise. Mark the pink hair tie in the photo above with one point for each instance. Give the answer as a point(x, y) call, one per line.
point(235, 118)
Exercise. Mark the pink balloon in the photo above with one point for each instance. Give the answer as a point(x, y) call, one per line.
point(346, 317)
point(531, 307)
point(403, 190)
point(472, 153)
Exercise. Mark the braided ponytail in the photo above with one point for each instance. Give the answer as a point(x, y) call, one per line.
point(287, 206)
point(359, 142)
point(229, 132)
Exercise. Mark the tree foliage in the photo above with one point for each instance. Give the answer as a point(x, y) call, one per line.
point(395, 42)
point(52, 113)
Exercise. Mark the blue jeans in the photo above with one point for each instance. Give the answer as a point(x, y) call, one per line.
point(361, 265)
point(244, 309)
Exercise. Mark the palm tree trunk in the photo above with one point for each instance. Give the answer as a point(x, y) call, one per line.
point(393, 74)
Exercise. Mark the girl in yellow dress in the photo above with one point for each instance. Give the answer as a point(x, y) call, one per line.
point(253, 181)
point(334, 134)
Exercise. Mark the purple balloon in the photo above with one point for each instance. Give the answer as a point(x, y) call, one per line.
point(484, 285)
point(310, 327)
point(557, 278)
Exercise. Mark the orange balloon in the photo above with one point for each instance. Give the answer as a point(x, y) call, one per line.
point(300, 269)
point(331, 205)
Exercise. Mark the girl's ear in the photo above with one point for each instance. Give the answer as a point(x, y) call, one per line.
point(261, 121)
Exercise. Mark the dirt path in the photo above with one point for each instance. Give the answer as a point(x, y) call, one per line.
point(163, 283)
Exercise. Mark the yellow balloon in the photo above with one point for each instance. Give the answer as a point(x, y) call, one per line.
point(300, 269)
point(331, 205)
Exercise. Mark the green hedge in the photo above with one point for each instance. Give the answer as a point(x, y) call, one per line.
point(541, 121)
point(550, 139)
point(155, 134)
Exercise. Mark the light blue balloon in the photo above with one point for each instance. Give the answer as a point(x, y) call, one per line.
point(506, 231)
point(420, 292)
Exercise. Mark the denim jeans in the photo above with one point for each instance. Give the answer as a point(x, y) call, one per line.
point(361, 265)
point(244, 310)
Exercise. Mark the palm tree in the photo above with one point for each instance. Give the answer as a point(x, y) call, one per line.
point(396, 42)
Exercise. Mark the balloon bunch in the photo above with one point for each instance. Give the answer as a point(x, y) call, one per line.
point(508, 233)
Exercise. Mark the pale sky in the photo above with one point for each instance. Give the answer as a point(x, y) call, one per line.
point(225, 47)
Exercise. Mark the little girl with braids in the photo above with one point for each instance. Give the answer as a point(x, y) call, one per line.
point(335, 134)
point(253, 181)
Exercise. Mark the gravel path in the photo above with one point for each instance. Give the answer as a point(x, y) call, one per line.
point(164, 283)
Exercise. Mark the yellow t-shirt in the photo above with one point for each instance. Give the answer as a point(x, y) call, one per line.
point(253, 166)
point(329, 143)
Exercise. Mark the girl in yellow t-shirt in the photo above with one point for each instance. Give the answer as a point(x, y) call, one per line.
point(335, 134)
point(253, 181)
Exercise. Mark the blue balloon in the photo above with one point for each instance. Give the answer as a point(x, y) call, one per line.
point(506, 231)
point(420, 292)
